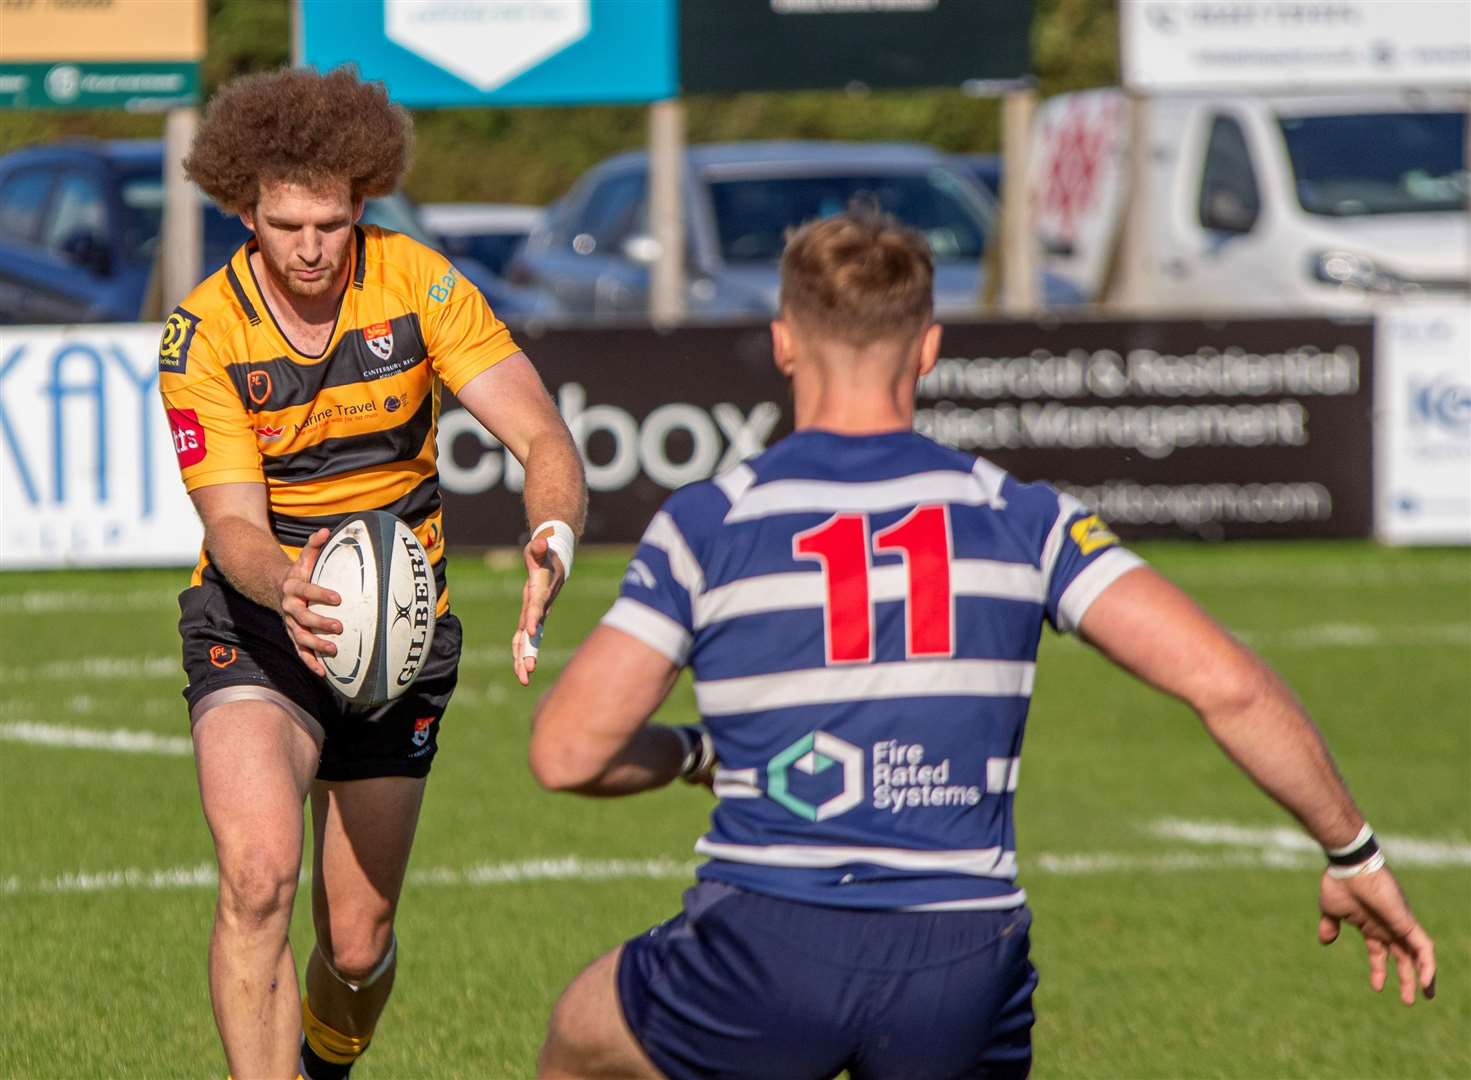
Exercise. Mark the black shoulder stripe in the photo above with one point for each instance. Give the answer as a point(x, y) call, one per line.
point(239, 291)
point(362, 257)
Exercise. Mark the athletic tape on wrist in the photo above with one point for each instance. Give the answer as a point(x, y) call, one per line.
point(561, 543)
point(1368, 866)
point(1365, 834)
point(699, 750)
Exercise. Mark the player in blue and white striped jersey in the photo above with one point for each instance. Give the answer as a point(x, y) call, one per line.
point(861, 610)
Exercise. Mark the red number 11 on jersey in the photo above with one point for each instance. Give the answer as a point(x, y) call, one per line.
point(841, 545)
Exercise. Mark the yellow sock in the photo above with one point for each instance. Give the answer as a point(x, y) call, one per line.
point(327, 1042)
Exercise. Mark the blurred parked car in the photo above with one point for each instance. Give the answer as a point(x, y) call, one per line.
point(78, 226)
point(594, 251)
point(487, 232)
point(1337, 202)
point(984, 169)
point(79, 223)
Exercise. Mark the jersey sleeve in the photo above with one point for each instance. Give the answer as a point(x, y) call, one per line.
point(214, 439)
point(1081, 559)
point(656, 601)
point(463, 334)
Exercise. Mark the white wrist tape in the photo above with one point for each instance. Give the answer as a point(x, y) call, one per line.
point(1368, 866)
point(1353, 845)
point(561, 543)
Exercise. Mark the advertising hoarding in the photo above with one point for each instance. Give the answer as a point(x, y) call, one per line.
point(87, 469)
point(1293, 45)
point(438, 53)
point(1247, 428)
point(138, 55)
point(1217, 430)
point(729, 46)
point(1423, 424)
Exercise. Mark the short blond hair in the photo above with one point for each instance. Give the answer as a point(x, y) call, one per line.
point(858, 276)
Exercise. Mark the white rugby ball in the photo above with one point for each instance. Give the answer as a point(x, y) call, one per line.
point(376, 564)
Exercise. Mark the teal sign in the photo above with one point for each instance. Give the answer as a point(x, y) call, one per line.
point(134, 86)
point(434, 53)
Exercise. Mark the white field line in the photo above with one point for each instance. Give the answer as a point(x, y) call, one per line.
point(118, 740)
point(1283, 839)
point(1267, 848)
point(1354, 574)
point(1319, 636)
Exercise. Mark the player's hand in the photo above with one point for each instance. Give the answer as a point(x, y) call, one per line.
point(303, 624)
point(544, 576)
point(1374, 903)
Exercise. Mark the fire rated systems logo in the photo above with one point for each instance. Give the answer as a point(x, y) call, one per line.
point(814, 754)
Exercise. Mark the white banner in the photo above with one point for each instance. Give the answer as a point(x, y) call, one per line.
point(87, 469)
point(1294, 45)
point(1423, 424)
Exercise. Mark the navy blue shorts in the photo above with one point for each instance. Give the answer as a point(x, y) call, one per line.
point(742, 985)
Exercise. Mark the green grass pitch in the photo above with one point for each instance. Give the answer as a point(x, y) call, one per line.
point(1183, 950)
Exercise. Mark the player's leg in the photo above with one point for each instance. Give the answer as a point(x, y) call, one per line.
point(587, 1036)
point(363, 831)
point(255, 761)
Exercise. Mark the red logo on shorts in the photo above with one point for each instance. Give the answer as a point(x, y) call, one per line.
point(188, 436)
point(421, 730)
point(222, 656)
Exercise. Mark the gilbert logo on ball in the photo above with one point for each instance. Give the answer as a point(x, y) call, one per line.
point(377, 566)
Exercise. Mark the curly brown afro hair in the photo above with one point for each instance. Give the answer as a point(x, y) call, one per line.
point(299, 126)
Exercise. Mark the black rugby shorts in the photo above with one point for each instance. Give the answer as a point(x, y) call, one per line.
point(231, 641)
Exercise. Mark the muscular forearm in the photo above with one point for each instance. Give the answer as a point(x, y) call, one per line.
point(650, 759)
point(555, 489)
point(250, 558)
point(1267, 733)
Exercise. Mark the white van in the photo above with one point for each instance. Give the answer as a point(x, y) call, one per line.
point(1263, 202)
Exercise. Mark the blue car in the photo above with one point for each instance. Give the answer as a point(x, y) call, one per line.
point(78, 226)
point(593, 251)
point(79, 223)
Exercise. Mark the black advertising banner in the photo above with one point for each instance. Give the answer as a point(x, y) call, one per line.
point(728, 46)
point(1218, 430)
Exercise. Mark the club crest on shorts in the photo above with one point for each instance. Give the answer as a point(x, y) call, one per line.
point(421, 730)
point(379, 337)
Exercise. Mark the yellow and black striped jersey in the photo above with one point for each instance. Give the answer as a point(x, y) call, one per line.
point(351, 429)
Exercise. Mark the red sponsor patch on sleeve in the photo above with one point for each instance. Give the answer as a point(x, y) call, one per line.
point(188, 436)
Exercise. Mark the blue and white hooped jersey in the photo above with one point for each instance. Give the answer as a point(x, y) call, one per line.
point(862, 615)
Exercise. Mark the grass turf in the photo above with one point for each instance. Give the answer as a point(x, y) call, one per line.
point(1177, 969)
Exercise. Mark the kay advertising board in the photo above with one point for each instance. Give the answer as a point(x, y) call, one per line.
point(1244, 428)
point(87, 469)
point(1423, 424)
point(1293, 45)
point(436, 53)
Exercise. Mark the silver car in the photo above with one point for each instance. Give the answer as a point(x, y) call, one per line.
point(593, 252)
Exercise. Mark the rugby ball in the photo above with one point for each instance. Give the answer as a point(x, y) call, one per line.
point(376, 564)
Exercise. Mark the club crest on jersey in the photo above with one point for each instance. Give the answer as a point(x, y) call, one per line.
point(258, 386)
point(1090, 534)
point(421, 730)
point(173, 347)
point(379, 337)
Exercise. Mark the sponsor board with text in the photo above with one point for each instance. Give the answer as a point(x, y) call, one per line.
point(1243, 428)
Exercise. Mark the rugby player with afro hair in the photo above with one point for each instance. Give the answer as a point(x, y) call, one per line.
point(303, 382)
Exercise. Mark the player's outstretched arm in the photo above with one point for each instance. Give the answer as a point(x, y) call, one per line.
point(1154, 630)
point(238, 537)
point(591, 734)
point(513, 405)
